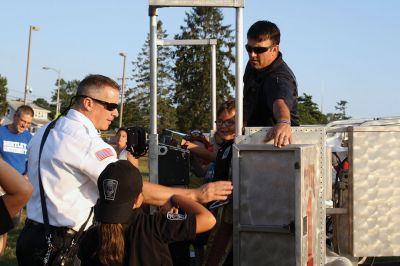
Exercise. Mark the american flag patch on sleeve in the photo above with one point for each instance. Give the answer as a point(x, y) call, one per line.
point(104, 153)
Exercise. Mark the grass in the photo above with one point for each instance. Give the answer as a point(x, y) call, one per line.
point(9, 258)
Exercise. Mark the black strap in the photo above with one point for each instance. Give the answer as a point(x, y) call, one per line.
point(42, 195)
point(44, 205)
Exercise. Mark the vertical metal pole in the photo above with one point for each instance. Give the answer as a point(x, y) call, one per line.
point(58, 94)
point(239, 125)
point(213, 86)
point(153, 138)
point(239, 71)
point(27, 64)
point(121, 112)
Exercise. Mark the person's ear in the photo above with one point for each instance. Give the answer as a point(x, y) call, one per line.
point(87, 104)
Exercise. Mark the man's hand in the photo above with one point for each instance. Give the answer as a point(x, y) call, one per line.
point(218, 190)
point(281, 133)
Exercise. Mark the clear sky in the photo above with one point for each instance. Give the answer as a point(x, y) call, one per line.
point(338, 50)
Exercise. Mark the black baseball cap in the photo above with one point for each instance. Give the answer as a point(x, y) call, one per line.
point(119, 185)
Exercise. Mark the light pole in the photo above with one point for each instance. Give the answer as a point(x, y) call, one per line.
point(58, 88)
point(123, 89)
point(31, 28)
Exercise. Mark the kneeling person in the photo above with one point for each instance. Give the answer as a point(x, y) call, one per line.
point(126, 235)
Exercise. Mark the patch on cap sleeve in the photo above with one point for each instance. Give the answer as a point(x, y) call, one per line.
point(104, 153)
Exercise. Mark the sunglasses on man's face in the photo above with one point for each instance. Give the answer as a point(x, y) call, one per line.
point(257, 49)
point(107, 105)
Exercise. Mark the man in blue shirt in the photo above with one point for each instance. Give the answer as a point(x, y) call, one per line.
point(14, 139)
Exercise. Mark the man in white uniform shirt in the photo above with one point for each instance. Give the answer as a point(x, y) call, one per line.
point(72, 159)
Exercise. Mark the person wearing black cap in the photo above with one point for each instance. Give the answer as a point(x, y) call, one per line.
point(126, 235)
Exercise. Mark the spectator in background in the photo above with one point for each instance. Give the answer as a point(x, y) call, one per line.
point(120, 147)
point(17, 193)
point(14, 139)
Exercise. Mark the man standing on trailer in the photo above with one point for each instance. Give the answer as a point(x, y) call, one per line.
point(270, 88)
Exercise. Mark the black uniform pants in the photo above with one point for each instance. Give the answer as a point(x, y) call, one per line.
point(32, 245)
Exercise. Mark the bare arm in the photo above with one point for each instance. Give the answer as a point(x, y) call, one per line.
point(204, 219)
point(158, 195)
point(133, 160)
point(17, 188)
point(282, 131)
point(201, 151)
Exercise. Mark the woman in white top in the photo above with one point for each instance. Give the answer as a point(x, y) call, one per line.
point(120, 147)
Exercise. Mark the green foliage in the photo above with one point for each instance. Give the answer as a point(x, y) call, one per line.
point(308, 111)
point(138, 99)
point(341, 106)
point(3, 96)
point(67, 91)
point(193, 66)
point(43, 103)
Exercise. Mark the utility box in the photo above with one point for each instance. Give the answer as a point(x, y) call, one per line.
point(276, 195)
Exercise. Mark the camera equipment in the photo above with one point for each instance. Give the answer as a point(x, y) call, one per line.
point(173, 165)
point(173, 160)
point(137, 143)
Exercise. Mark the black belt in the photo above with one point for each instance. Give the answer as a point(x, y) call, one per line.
point(65, 230)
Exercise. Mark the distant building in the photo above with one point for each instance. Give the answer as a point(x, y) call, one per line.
point(40, 118)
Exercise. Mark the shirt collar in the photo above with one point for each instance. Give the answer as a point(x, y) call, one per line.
point(273, 65)
point(78, 116)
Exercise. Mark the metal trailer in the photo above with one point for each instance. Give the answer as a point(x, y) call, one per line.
point(275, 188)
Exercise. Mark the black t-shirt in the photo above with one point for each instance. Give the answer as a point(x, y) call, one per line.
point(6, 222)
point(263, 87)
point(146, 238)
point(223, 161)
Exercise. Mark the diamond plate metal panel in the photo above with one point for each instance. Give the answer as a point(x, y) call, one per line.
point(375, 173)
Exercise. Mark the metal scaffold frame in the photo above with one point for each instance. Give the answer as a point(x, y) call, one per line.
point(154, 42)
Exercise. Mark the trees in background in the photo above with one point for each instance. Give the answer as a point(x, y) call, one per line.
point(137, 107)
point(3, 96)
point(67, 91)
point(341, 106)
point(308, 111)
point(192, 72)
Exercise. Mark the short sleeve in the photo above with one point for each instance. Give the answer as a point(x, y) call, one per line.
point(284, 88)
point(98, 156)
point(177, 227)
point(6, 222)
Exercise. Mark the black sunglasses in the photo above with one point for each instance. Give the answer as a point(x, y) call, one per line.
point(257, 49)
point(107, 105)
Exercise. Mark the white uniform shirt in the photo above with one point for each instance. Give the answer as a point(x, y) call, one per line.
point(73, 157)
